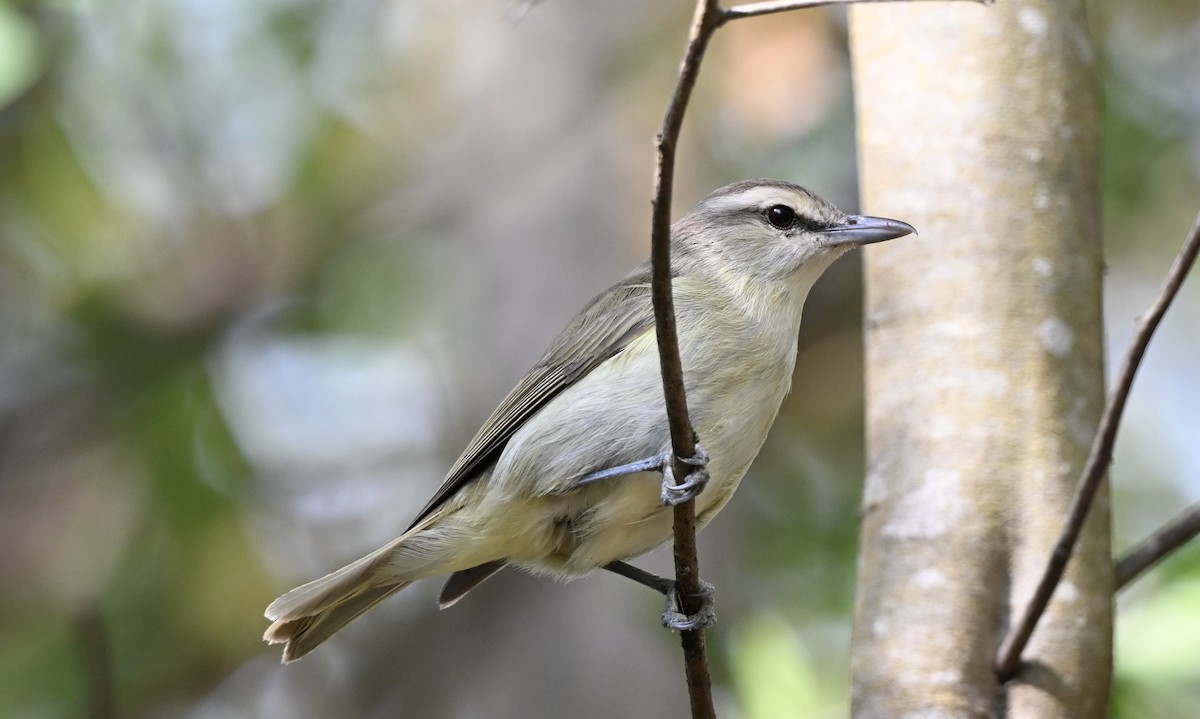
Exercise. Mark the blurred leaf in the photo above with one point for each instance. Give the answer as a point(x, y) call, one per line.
point(1158, 646)
point(774, 675)
point(20, 54)
point(1159, 639)
point(39, 675)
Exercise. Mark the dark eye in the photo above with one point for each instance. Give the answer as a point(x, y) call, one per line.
point(781, 217)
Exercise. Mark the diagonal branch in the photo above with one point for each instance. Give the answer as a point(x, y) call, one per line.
point(1168, 538)
point(1009, 656)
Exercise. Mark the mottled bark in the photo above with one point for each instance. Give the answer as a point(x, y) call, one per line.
point(980, 125)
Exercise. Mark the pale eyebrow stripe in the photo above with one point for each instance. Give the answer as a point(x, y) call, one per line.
point(735, 204)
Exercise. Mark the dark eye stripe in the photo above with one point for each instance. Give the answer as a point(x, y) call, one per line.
point(808, 224)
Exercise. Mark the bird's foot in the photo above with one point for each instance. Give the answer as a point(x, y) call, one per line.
point(705, 617)
point(692, 485)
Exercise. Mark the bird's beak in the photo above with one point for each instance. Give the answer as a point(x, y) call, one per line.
point(864, 230)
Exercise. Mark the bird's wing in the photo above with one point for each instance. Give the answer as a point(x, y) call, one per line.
point(615, 318)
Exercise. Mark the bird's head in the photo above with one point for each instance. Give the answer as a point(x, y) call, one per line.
point(770, 229)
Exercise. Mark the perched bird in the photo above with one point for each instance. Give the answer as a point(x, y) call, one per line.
point(560, 480)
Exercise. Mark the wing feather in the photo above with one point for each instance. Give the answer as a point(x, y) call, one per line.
point(610, 323)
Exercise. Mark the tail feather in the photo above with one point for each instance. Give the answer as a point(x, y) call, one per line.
point(465, 580)
point(320, 594)
point(311, 613)
point(305, 633)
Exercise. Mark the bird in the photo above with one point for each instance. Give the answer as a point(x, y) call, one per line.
point(563, 477)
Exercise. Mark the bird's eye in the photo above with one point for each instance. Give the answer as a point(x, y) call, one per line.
point(781, 217)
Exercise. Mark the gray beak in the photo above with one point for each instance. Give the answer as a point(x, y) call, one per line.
point(864, 230)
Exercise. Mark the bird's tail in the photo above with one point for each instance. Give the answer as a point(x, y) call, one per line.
point(311, 613)
point(305, 633)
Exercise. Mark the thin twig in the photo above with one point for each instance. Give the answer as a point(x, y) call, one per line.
point(770, 7)
point(1009, 656)
point(1171, 536)
point(683, 438)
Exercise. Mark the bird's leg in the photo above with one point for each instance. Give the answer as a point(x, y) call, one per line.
point(672, 493)
point(649, 464)
point(662, 585)
point(672, 617)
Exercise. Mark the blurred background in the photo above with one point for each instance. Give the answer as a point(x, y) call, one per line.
point(265, 267)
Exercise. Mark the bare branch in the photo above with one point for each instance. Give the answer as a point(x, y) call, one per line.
point(770, 7)
point(1009, 656)
point(1168, 538)
point(706, 20)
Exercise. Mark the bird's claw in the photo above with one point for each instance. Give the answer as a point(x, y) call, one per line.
point(692, 485)
point(705, 617)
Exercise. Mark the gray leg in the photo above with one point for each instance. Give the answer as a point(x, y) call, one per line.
point(672, 617)
point(649, 464)
point(672, 493)
point(662, 585)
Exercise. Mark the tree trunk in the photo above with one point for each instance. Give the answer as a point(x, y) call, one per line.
point(979, 125)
